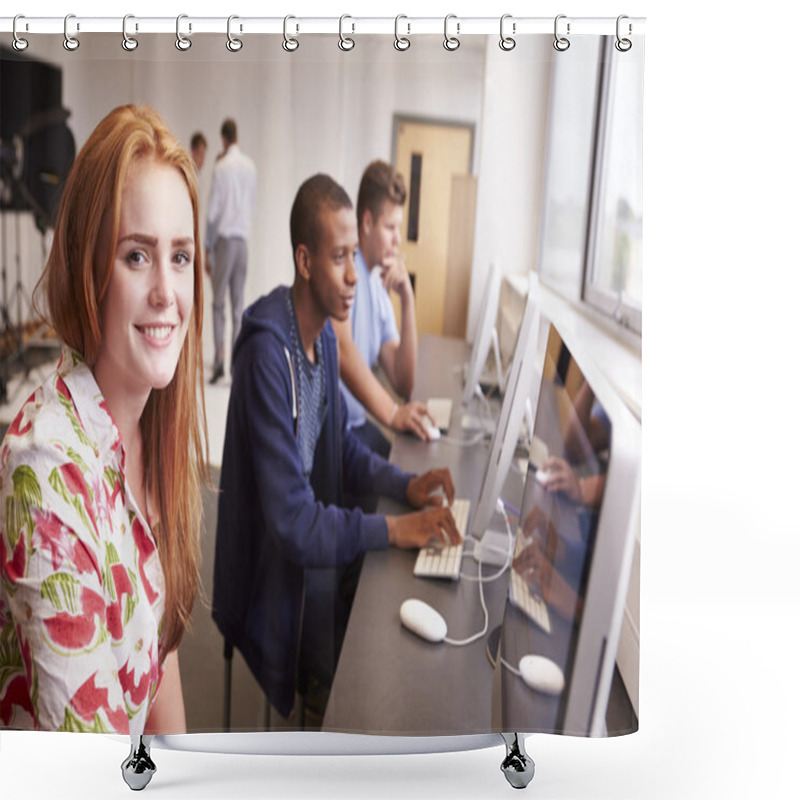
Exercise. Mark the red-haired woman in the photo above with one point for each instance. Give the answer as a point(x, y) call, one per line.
point(100, 471)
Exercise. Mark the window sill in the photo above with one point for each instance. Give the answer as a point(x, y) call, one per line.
point(616, 350)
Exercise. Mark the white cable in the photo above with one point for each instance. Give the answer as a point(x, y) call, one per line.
point(470, 442)
point(507, 551)
point(510, 668)
point(481, 580)
point(484, 407)
point(471, 639)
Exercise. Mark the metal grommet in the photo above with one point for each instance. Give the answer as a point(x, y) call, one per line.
point(561, 43)
point(233, 44)
point(345, 42)
point(623, 44)
point(181, 42)
point(129, 43)
point(451, 42)
point(401, 42)
point(507, 42)
point(18, 42)
point(70, 42)
point(290, 43)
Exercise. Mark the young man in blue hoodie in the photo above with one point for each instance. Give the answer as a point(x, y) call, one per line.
point(284, 540)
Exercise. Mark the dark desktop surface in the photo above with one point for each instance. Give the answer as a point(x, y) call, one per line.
point(203, 646)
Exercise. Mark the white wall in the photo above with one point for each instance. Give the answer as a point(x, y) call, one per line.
point(315, 110)
point(511, 164)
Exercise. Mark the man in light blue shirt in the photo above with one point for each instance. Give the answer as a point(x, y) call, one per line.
point(371, 335)
point(230, 212)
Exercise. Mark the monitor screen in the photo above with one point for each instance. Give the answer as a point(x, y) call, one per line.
point(564, 608)
point(512, 411)
point(485, 334)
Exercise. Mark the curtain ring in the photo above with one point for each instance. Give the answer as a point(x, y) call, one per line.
point(401, 42)
point(233, 44)
point(561, 43)
point(345, 42)
point(290, 43)
point(507, 42)
point(451, 43)
point(129, 43)
point(623, 45)
point(18, 43)
point(181, 41)
point(70, 42)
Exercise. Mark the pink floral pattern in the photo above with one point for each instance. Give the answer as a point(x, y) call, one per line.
point(81, 586)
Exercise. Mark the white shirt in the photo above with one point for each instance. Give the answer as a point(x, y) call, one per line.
point(233, 197)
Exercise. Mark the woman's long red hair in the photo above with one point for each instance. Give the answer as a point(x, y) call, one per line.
point(75, 282)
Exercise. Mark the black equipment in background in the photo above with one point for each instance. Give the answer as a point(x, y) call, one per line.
point(37, 151)
point(36, 146)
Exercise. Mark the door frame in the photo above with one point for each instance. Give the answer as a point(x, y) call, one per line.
point(399, 119)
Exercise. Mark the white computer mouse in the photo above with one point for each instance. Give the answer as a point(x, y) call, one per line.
point(434, 434)
point(541, 674)
point(423, 620)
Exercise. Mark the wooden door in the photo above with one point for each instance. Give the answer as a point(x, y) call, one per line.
point(438, 219)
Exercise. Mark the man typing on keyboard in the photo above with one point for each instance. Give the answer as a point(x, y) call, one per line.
point(287, 552)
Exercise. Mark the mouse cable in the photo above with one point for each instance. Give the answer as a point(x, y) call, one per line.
point(475, 637)
point(471, 441)
point(511, 669)
point(505, 551)
point(481, 580)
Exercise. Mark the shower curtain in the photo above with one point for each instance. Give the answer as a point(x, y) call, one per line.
point(526, 154)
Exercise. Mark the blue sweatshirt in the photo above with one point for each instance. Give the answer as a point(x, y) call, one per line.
point(280, 536)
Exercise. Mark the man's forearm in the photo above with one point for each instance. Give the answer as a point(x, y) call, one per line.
point(406, 354)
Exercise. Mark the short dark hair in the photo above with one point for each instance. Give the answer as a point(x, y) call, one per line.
point(318, 193)
point(197, 140)
point(380, 182)
point(228, 130)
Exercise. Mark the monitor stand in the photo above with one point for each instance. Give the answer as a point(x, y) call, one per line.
point(494, 548)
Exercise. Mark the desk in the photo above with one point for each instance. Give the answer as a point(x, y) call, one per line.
point(388, 680)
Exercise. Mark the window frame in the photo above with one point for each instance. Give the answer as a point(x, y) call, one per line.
point(625, 314)
point(592, 299)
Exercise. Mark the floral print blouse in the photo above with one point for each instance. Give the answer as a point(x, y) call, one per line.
point(81, 585)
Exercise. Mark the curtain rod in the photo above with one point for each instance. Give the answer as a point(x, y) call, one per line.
point(187, 25)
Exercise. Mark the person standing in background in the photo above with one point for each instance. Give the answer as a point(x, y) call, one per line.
point(230, 213)
point(197, 148)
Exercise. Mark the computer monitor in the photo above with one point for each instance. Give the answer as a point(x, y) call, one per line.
point(512, 412)
point(485, 337)
point(574, 547)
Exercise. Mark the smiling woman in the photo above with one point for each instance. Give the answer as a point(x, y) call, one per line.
point(101, 469)
point(148, 303)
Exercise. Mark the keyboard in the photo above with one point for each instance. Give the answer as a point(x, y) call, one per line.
point(445, 562)
point(529, 602)
point(441, 409)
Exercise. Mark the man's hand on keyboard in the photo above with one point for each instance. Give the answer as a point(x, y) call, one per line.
point(421, 489)
point(434, 525)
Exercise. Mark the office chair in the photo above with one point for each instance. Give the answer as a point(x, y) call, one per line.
point(227, 654)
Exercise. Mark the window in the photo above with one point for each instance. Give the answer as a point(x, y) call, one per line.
point(591, 235)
